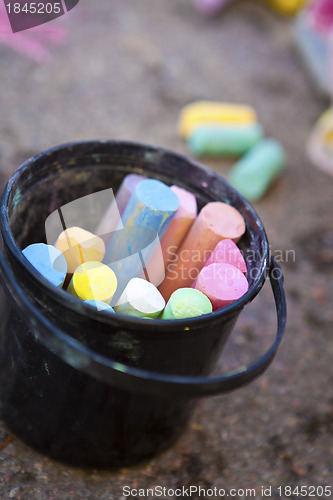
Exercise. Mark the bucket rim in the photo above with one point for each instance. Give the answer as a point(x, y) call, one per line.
point(120, 320)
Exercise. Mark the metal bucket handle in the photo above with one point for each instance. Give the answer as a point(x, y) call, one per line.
point(126, 377)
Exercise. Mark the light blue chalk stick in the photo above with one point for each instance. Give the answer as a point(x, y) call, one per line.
point(101, 306)
point(257, 169)
point(224, 140)
point(48, 261)
point(145, 218)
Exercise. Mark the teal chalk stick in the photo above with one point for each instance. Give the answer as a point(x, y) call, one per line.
point(224, 140)
point(101, 306)
point(256, 170)
point(48, 261)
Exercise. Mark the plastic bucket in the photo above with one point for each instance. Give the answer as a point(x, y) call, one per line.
point(108, 391)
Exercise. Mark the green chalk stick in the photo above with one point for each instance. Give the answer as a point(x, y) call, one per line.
point(186, 303)
point(257, 169)
point(224, 140)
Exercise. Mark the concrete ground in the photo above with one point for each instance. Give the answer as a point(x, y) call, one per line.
point(125, 71)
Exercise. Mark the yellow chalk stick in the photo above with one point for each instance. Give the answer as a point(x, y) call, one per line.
point(93, 280)
point(288, 7)
point(210, 112)
point(78, 246)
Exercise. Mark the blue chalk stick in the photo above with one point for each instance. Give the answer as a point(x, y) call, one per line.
point(101, 306)
point(149, 210)
point(48, 261)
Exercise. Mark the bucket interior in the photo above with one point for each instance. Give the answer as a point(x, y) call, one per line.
point(51, 181)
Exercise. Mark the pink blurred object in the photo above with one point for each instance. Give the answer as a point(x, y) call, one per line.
point(33, 43)
point(321, 12)
point(210, 7)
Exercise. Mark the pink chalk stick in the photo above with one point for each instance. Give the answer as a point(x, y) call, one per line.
point(216, 221)
point(321, 13)
point(227, 252)
point(117, 206)
point(222, 284)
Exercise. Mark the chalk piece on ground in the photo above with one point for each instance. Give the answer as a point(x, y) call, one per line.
point(140, 299)
point(48, 261)
point(186, 303)
point(93, 280)
point(216, 221)
point(287, 7)
point(257, 169)
point(110, 219)
point(228, 252)
point(320, 143)
point(222, 284)
point(224, 140)
point(78, 246)
point(210, 112)
point(101, 306)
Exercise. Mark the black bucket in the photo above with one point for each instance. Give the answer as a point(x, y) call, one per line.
point(91, 389)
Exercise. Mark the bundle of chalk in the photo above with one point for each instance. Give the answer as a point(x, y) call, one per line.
point(166, 262)
point(223, 129)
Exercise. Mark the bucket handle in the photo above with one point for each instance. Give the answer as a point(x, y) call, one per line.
point(194, 387)
point(129, 378)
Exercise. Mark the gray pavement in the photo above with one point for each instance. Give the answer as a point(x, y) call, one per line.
point(125, 71)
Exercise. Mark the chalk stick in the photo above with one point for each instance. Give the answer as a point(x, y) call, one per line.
point(287, 7)
point(174, 235)
point(110, 220)
point(186, 303)
point(140, 299)
point(222, 284)
point(226, 251)
point(223, 140)
point(313, 44)
point(48, 261)
point(320, 143)
point(216, 221)
point(180, 223)
point(210, 112)
point(149, 210)
point(78, 246)
point(256, 170)
point(101, 306)
point(93, 281)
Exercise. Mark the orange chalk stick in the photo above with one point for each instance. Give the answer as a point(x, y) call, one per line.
point(174, 234)
point(215, 222)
